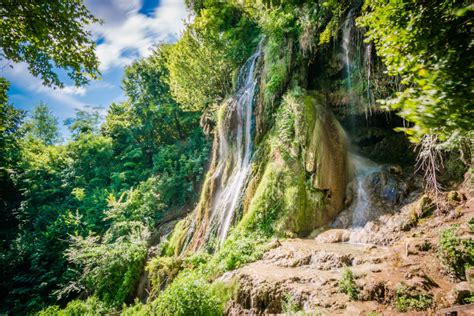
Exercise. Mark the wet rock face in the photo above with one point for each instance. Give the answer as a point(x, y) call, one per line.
point(386, 189)
point(324, 260)
point(388, 186)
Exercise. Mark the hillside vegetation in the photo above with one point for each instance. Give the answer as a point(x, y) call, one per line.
point(90, 225)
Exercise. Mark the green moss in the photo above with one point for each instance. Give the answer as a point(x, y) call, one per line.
point(422, 208)
point(277, 61)
point(161, 271)
point(302, 163)
point(174, 244)
point(266, 205)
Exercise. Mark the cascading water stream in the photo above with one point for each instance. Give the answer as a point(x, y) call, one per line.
point(346, 45)
point(237, 150)
point(362, 169)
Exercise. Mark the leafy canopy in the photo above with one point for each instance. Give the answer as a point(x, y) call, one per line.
point(42, 125)
point(48, 35)
point(428, 44)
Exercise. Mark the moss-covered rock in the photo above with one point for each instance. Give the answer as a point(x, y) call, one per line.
point(305, 175)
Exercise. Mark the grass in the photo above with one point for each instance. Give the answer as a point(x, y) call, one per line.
point(348, 285)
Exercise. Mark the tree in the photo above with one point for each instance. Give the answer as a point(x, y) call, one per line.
point(86, 122)
point(202, 62)
point(42, 125)
point(10, 154)
point(428, 44)
point(10, 122)
point(49, 35)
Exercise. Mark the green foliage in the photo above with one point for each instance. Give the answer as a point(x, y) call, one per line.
point(189, 294)
point(84, 210)
point(238, 249)
point(42, 125)
point(49, 35)
point(201, 63)
point(455, 252)
point(10, 154)
point(225, 291)
point(152, 135)
point(348, 285)
point(180, 286)
point(85, 122)
point(90, 307)
point(109, 268)
point(289, 305)
point(425, 45)
point(161, 272)
point(336, 9)
point(136, 309)
point(110, 181)
point(407, 300)
point(10, 122)
point(142, 204)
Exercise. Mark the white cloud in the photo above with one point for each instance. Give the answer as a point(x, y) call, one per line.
point(20, 76)
point(124, 36)
point(72, 90)
point(127, 35)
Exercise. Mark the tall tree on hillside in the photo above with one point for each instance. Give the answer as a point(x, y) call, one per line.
point(42, 125)
point(86, 121)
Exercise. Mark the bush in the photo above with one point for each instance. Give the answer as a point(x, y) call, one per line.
point(137, 309)
point(189, 294)
point(406, 300)
point(90, 307)
point(347, 285)
point(225, 291)
point(289, 306)
point(237, 250)
point(457, 254)
point(109, 270)
point(161, 272)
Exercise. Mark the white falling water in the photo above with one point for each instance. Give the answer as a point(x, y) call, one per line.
point(346, 46)
point(362, 168)
point(368, 60)
point(237, 151)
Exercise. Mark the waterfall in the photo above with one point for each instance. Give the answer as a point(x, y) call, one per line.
point(362, 169)
point(236, 150)
point(346, 46)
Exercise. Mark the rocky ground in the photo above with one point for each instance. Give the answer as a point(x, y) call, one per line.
point(394, 253)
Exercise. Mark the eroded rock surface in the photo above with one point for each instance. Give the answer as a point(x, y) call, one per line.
point(391, 261)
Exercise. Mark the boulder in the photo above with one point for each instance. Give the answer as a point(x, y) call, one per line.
point(459, 292)
point(333, 236)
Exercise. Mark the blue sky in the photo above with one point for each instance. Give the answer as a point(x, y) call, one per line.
point(130, 30)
